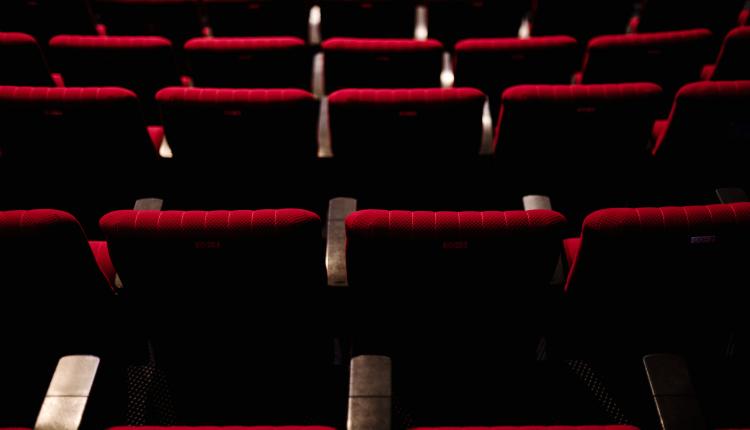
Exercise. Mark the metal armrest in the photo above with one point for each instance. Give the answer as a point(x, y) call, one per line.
point(370, 393)
point(148, 204)
point(338, 209)
point(68, 393)
point(534, 201)
point(732, 195)
point(673, 392)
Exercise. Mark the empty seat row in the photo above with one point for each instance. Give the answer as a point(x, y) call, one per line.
point(569, 134)
point(220, 354)
point(146, 64)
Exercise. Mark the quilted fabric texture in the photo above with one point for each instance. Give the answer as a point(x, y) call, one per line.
point(79, 117)
point(109, 42)
point(231, 96)
point(515, 44)
point(242, 44)
point(404, 247)
point(380, 45)
point(669, 227)
point(212, 224)
point(446, 225)
point(406, 96)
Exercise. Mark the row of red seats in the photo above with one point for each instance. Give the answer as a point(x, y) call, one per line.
point(231, 307)
point(401, 122)
point(450, 20)
point(569, 134)
point(146, 64)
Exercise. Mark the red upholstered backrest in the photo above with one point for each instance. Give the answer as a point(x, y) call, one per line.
point(235, 125)
point(731, 64)
point(249, 62)
point(44, 256)
point(46, 18)
point(382, 63)
point(258, 17)
point(435, 250)
point(370, 18)
point(142, 64)
point(230, 299)
point(582, 19)
point(493, 65)
point(177, 20)
point(48, 275)
point(406, 123)
point(451, 280)
point(454, 20)
point(93, 127)
point(159, 254)
point(666, 15)
point(23, 62)
point(708, 132)
point(576, 132)
point(669, 59)
point(679, 269)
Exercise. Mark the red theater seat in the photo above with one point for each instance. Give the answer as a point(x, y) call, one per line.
point(367, 18)
point(258, 17)
point(493, 65)
point(453, 280)
point(23, 61)
point(669, 15)
point(253, 126)
point(707, 137)
point(46, 18)
point(679, 268)
point(49, 274)
point(249, 62)
point(669, 59)
point(382, 63)
point(177, 20)
point(453, 20)
point(142, 64)
point(83, 149)
point(730, 64)
point(581, 19)
point(236, 274)
point(93, 127)
point(406, 123)
point(588, 142)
